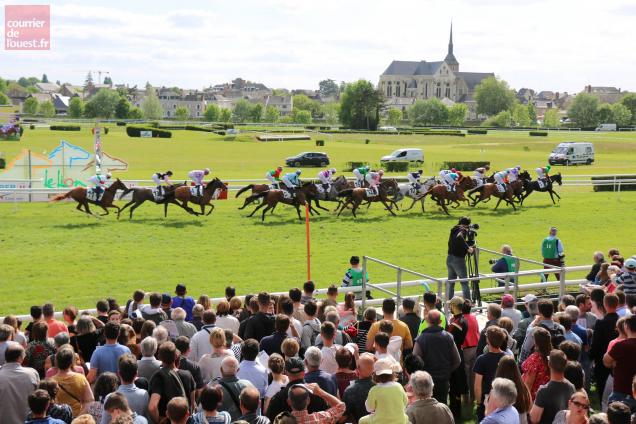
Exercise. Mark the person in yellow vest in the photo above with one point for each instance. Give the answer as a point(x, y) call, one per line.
point(552, 251)
point(430, 303)
point(504, 264)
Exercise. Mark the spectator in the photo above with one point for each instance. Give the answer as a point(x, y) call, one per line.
point(181, 300)
point(250, 369)
point(290, 348)
point(344, 375)
point(571, 349)
point(299, 400)
point(276, 364)
point(153, 312)
point(299, 313)
point(535, 369)
point(598, 418)
point(6, 339)
point(387, 400)
point(54, 326)
point(628, 278)
point(200, 342)
point(75, 389)
point(426, 409)
point(295, 329)
point(399, 328)
point(598, 259)
point(531, 303)
point(354, 275)
point(183, 327)
point(458, 328)
point(224, 319)
point(311, 327)
point(39, 348)
point(493, 313)
point(505, 264)
point(84, 419)
point(271, 343)
point(39, 402)
point(340, 337)
point(133, 305)
point(250, 403)
point(62, 339)
point(574, 374)
point(197, 316)
point(136, 398)
point(183, 346)
point(362, 328)
point(102, 310)
point(16, 383)
point(552, 252)
point(508, 369)
point(329, 348)
point(410, 318)
point(430, 303)
point(69, 315)
point(604, 332)
point(147, 328)
point(211, 400)
point(116, 405)
point(347, 310)
point(210, 363)
point(308, 292)
point(355, 395)
point(458, 248)
point(36, 316)
point(557, 332)
point(166, 305)
point(469, 347)
point(18, 336)
point(486, 367)
point(565, 320)
point(380, 345)
point(510, 345)
point(148, 364)
point(618, 413)
point(178, 411)
point(500, 409)
point(260, 324)
point(439, 352)
point(169, 382)
point(620, 358)
point(105, 357)
point(105, 384)
point(552, 397)
point(315, 374)
point(231, 387)
point(508, 310)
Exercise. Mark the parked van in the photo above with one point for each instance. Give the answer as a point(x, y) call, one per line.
point(606, 127)
point(405, 155)
point(572, 153)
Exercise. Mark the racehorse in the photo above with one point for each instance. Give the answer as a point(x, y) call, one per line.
point(79, 195)
point(530, 186)
point(440, 194)
point(273, 197)
point(338, 185)
point(144, 194)
point(256, 188)
point(406, 189)
point(184, 195)
point(356, 196)
point(490, 189)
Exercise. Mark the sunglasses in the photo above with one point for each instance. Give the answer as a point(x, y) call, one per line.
point(580, 405)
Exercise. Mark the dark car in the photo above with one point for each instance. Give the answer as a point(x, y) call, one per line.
point(308, 159)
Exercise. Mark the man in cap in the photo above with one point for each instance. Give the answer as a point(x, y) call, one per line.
point(183, 301)
point(508, 310)
point(531, 301)
point(360, 173)
point(552, 252)
point(326, 179)
point(414, 179)
point(628, 278)
point(542, 175)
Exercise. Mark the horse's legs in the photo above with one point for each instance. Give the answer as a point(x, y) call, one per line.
point(344, 205)
point(320, 207)
point(387, 207)
point(136, 205)
point(264, 212)
point(298, 211)
point(105, 210)
point(356, 203)
point(211, 209)
point(125, 206)
point(79, 207)
point(258, 207)
point(116, 207)
point(551, 197)
point(555, 193)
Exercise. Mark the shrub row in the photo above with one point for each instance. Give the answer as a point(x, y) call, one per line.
point(65, 128)
point(475, 131)
point(455, 133)
point(121, 124)
point(624, 186)
point(397, 166)
point(135, 131)
point(538, 133)
point(464, 165)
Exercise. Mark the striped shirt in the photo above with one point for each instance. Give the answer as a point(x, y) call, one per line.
point(628, 280)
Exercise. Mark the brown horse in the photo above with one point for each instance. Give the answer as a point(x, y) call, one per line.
point(273, 197)
point(490, 189)
point(145, 194)
point(440, 194)
point(79, 195)
point(184, 195)
point(356, 196)
point(256, 189)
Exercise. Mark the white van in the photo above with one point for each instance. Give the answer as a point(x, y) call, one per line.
point(606, 127)
point(572, 153)
point(405, 155)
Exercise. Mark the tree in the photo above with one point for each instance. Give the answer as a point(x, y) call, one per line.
point(428, 112)
point(45, 79)
point(520, 116)
point(550, 118)
point(302, 102)
point(102, 104)
point(256, 112)
point(532, 113)
point(4, 100)
point(3, 85)
point(15, 90)
point(604, 114)
point(329, 112)
point(630, 101)
point(23, 82)
point(135, 113)
point(151, 106)
point(503, 119)
point(394, 117)
point(328, 88)
point(226, 115)
point(360, 106)
point(457, 114)
point(301, 116)
point(583, 110)
point(271, 114)
point(211, 113)
point(182, 113)
point(47, 109)
point(622, 115)
point(241, 111)
point(122, 109)
point(30, 106)
point(493, 96)
point(88, 82)
point(76, 107)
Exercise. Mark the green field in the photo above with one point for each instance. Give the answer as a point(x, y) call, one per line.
point(51, 252)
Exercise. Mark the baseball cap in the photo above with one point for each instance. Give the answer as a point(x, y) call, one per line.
point(165, 299)
point(507, 300)
point(383, 366)
point(180, 289)
point(294, 365)
point(529, 298)
point(630, 263)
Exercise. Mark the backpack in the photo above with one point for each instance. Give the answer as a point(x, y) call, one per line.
point(556, 334)
point(314, 334)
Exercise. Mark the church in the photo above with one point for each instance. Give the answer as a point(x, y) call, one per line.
point(403, 82)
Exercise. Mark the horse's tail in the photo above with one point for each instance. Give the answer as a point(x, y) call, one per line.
point(128, 190)
point(345, 193)
point(256, 196)
point(62, 196)
point(244, 189)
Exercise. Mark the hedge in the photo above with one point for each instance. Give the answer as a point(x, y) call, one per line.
point(198, 128)
point(397, 166)
point(477, 131)
point(455, 133)
point(121, 124)
point(3, 163)
point(135, 131)
point(350, 166)
point(465, 165)
point(320, 142)
point(538, 133)
point(32, 126)
point(65, 128)
point(624, 186)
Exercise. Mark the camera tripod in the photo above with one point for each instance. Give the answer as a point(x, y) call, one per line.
point(472, 266)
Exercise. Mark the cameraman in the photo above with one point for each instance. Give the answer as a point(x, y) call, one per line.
point(504, 264)
point(458, 248)
point(552, 252)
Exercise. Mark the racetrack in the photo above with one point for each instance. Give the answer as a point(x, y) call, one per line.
point(53, 253)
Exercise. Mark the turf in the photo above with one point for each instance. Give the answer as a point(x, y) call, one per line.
point(52, 253)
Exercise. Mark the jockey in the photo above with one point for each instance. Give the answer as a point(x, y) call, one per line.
point(513, 174)
point(197, 178)
point(325, 178)
point(360, 174)
point(291, 181)
point(374, 178)
point(449, 178)
point(159, 179)
point(480, 175)
point(99, 181)
point(273, 177)
point(542, 175)
point(500, 178)
point(414, 179)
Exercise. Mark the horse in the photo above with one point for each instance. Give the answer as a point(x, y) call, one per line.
point(144, 194)
point(256, 189)
point(490, 189)
point(406, 189)
point(184, 195)
point(356, 196)
point(529, 186)
point(338, 185)
point(79, 195)
point(440, 194)
point(273, 197)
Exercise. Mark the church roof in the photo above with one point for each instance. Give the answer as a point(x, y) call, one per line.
point(450, 59)
point(473, 78)
point(407, 67)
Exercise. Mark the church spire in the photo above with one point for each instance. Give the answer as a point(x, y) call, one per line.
point(450, 57)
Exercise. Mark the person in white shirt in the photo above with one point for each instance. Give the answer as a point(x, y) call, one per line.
point(328, 362)
point(210, 363)
point(225, 319)
point(200, 342)
point(16, 384)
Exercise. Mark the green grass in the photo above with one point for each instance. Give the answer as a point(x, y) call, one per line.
point(52, 253)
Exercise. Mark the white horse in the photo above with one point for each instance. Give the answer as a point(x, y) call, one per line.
point(407, 190)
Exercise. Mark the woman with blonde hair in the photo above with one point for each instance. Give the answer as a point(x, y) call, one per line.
point(210, 363)
point(205, 301)
point(578, 408)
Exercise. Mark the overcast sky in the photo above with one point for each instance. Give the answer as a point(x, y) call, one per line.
point(559, 45)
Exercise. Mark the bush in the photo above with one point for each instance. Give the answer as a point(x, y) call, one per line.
point(65, 128)
point(477, 131)
point(121, 124)
point(320, 142)
point(3, 163)
point(32, 126)
point(538, 133)
point(135, 131)
point(456, 133)
point(396, 166)
point(367, 141)
point(465, 165)
point(624, 186)
point(350, 166)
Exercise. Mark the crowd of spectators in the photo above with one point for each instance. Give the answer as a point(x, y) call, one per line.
point(298, 359)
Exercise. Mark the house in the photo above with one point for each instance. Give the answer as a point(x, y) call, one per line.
point(70, 90)
point(47, 87)
point(284, 104)
point(606, 94)
point(171, 100)
point(525, 95)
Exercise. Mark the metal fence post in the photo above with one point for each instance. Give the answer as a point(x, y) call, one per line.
point(516, 280)
point(399, 287)
point(507, 284)
point(364, 282)
point(561, 282)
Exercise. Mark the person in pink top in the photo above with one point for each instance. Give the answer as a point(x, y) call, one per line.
point(55, 327)
point(197, 177)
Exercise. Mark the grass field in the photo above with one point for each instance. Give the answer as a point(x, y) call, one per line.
point(52, 253)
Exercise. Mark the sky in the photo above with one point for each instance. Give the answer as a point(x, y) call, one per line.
point(558, 45)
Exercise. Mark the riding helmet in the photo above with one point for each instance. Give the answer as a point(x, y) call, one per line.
point(206, 170)
point(280, 168)
point(169, 173)
point(420, 171)
point(298, 172)
point(108, 175)
point(487, 167)
point(381, 172)
point(332, 170)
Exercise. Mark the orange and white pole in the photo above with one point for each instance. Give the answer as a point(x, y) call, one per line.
point(308, 237)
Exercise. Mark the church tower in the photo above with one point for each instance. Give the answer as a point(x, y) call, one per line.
point(450, 57)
